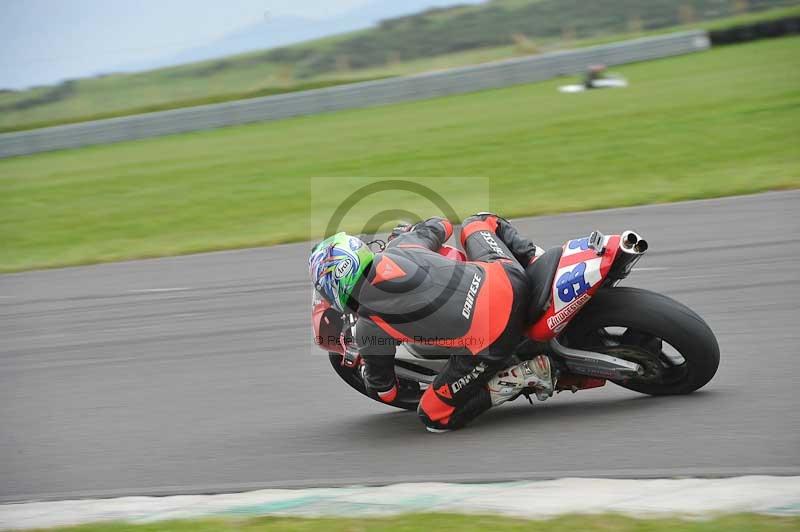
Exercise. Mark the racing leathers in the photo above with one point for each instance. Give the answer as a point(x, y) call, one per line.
point(476, 309)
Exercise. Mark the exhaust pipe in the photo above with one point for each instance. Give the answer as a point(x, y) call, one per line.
point(633, 247)
point(632, 243)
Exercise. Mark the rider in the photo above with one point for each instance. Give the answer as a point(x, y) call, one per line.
point(593, 74)
point(410, 293)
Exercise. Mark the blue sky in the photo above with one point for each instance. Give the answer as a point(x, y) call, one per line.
point(46, 41)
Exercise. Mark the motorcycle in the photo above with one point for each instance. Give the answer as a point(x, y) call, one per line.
point(593, 330)
point(610, 81)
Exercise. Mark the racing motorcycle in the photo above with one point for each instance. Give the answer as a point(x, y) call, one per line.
point(593, 330)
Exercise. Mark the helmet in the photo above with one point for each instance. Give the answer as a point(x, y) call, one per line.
point(336, 264)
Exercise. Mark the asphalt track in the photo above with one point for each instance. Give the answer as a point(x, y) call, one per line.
point(197, 374)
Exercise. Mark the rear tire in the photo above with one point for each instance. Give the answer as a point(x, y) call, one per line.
point(652, 317)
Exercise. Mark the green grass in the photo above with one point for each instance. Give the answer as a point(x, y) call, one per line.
point(711, 124)
point(457, 523)
point(496, 53)
point(250, 75)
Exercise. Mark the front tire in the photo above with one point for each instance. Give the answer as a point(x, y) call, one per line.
point(351, 377)
point(649, 321)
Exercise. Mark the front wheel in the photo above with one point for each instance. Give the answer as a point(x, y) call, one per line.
point(351, 377)
point(676, 348)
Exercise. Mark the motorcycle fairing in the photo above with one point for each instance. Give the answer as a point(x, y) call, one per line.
point(327, 323)
point(584, 265)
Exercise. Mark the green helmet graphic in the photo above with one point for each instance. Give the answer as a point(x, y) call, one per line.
point(336, 264)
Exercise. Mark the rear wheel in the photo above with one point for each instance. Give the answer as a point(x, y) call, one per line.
point(676, 348)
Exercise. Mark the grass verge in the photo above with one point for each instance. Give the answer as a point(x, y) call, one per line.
point(711, 124)
point(459, 523)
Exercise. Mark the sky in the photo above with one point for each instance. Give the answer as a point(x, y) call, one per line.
point(46, 41)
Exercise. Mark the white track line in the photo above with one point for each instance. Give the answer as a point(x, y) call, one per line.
point(158, 290)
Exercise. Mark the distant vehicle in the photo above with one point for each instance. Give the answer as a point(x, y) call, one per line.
point(596, 77)
point(609, 81)
point(592, 329)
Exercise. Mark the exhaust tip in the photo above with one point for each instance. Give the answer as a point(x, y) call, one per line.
point(633, 243)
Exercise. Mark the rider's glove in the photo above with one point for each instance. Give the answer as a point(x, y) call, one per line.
point(400, 228)
point(350, 355)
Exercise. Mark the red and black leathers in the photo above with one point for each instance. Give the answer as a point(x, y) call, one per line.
point(476, 308)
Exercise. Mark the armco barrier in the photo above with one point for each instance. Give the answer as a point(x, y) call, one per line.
point(367, 94)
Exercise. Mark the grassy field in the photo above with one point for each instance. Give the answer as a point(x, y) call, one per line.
point(711, 124)
point(483, 55)
point(250, 75)
point(459, 523)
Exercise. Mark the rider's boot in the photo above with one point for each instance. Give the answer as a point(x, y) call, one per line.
point(509, 383)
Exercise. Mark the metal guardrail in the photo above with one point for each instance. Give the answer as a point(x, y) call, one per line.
point(366, 94)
